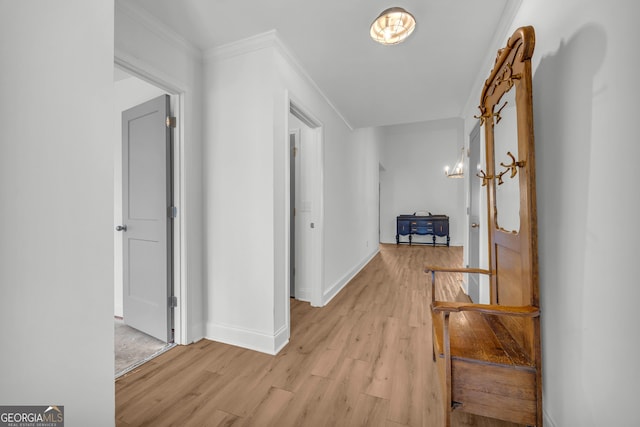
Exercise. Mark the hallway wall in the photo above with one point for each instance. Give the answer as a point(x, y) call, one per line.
point(246, 212)
point(585, 109)
point(56, 181)
point(414, 156)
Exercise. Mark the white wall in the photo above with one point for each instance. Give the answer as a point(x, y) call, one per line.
point(56, 215)
point(414, 156)
point(350, 160)
point(585, 109)
point(145, 46)
point(239, 198)
point(129, 92)
point(246, 178)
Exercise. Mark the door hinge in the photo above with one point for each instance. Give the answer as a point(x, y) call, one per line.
point(171, 122)
point(173, 302)
point(173, 212)
point(295, 151)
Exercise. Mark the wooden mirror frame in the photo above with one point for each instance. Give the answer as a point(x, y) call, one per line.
point(512, 70)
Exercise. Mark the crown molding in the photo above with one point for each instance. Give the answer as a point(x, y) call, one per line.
point(266, 40)
point(241, 47)
point(157, 27)
point(292, 60)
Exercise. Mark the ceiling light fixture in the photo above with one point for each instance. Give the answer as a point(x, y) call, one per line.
point(392, 26)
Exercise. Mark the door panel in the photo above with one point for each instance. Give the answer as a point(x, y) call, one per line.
point(146, 182)
point(474, 213)
point(303, 219)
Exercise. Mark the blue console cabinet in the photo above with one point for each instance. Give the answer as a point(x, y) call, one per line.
point(433, 225)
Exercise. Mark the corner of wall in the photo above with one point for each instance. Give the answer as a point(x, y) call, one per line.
point(340, 284)
point(249, 339)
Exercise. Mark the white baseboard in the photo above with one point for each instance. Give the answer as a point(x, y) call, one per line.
point(118, 310)
point(194, 334)
point(249, 339)
point(303, 294)
point(342, 282)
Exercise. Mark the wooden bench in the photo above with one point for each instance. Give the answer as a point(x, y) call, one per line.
point(484, 369)
point(489, 355)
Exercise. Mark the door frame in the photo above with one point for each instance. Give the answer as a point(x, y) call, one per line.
point(475, 146)
point(293, 183)
point(317, 252)
point(177, 91)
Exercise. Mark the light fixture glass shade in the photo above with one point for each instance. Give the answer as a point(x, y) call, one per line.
point(392, 26)
point(458, 168)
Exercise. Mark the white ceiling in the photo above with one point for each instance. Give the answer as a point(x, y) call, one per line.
point(427, 77)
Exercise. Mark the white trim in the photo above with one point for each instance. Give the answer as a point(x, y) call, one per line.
point(240, 47)
point(262, 41)
point(304, 294)
point(344, 280)
point(316, 290)
point(145, 72)
point(149, 73)
point(287, 219)
point(248, 338)
point(291, 59)
point(159, 28)
point(317, 255)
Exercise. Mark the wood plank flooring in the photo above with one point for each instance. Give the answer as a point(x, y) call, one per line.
point(363, 360)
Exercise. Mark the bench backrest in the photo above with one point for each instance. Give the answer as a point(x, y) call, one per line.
point(511, 184)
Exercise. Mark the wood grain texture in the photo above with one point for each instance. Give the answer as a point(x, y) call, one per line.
point(489, 355)
point(363, 360)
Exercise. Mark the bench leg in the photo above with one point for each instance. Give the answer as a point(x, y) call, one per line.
point(447, 371)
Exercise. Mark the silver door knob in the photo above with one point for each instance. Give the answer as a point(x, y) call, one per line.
point(121, 228)
point(475, 225)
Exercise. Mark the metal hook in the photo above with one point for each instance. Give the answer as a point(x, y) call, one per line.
point(513, 167)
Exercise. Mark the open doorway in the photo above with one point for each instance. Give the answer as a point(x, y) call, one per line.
point(142, 168)
point(474, 213)
point(305, 198)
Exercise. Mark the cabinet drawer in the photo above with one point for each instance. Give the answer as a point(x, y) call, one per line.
point(404, 227)
point(422, 227)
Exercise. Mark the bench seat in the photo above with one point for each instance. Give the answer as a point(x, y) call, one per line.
point(491, 374)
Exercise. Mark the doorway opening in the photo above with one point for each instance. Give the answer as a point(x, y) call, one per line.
point(137, 339)
point(473, 287)
point(305, 218)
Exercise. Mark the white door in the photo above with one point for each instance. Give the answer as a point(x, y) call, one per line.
point(474, 212)
point(307, 199)
point(146, 189)
point(302, 190)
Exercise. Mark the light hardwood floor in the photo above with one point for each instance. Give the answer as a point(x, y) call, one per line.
point(363, 360)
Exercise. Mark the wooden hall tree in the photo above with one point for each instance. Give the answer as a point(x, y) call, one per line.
point(489, 355)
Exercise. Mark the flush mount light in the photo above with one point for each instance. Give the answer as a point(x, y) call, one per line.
point(392, 26)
